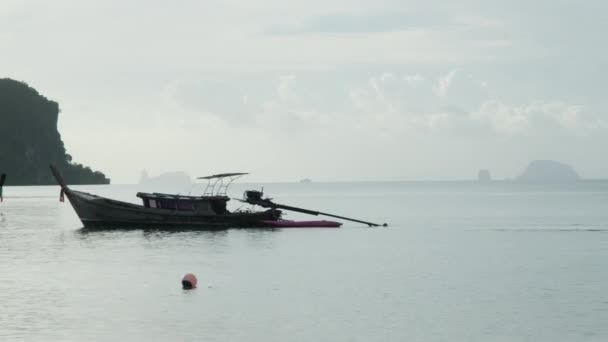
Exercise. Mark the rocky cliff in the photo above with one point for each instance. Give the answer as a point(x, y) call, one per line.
point(30, 141)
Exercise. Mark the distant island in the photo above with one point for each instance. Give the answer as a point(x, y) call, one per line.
point(548, 171)
point(306, 180)
point(31, 141)
point(166, 178)
point(484, 175)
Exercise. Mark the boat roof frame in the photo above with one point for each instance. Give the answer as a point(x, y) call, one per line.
point(217, 185)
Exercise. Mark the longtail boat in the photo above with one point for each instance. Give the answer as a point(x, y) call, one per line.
point(205, 212)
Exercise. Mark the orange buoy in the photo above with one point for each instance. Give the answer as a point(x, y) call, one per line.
point(189, 281)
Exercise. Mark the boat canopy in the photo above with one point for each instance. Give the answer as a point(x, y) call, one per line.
point(223, 175)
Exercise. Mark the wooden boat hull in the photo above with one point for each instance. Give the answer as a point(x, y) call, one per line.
point(100, 212)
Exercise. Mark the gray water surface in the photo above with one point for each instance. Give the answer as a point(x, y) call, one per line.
point(461, 261)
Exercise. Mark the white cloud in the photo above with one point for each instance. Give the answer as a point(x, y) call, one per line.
point(536, 117)
point(286, 89)
point(386, 101)
point(444, 83)
point(413, 79)
point(480, 22)
point(197, 72)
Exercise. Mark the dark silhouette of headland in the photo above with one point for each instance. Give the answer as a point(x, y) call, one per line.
point(548, 171)
point(30, 141)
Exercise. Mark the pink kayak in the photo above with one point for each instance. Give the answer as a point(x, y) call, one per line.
point(302, 224)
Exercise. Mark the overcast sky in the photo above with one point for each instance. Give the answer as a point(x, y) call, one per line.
point(329, 90)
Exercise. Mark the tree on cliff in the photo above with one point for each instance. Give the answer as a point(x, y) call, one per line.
point(29, 140)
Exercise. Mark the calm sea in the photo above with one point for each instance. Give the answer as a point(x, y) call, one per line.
point(460, 261)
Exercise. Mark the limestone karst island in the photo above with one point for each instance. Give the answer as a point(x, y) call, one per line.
point(30, 141)
point(548, 171)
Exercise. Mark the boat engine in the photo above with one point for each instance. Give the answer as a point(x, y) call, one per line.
point(256, 198)
point(253, 195)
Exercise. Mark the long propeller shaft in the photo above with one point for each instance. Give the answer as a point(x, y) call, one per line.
point(316, 213)
point(254, 197)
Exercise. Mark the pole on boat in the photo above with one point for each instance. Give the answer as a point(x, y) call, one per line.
point(255, 197)
point(2, 180)
point(61, 182)
point(58, 177)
